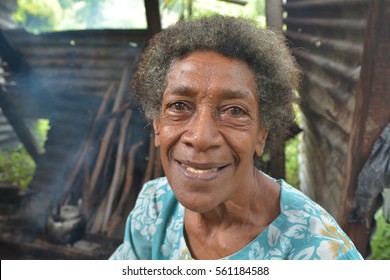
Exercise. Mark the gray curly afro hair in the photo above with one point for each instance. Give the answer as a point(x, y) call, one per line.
point(266, 53)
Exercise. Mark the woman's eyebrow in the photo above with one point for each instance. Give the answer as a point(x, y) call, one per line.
point(181, 90)
point(187, 91)
point(236, 94)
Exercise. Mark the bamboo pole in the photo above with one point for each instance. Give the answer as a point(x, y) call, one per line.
point(90, 138)
point(115, 184)
point(109, 131)
point(117, 216)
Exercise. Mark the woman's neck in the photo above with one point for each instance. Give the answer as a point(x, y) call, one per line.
point(234, 224)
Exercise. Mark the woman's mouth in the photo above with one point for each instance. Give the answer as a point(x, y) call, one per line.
point(201, 172)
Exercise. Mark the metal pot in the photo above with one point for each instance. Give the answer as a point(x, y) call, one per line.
point(67, 225)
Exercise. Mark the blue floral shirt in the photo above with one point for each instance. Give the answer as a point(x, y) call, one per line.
point(303, 230)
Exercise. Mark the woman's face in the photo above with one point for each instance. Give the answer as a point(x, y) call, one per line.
point(208, 130)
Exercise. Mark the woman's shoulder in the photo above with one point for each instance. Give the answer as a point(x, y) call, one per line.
point(313, 232)
point(153, 196)
point(300, 209)
point(294, 199)
point(153, 205)
point(146, 218)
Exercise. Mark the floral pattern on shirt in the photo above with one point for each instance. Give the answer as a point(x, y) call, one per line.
point(303, 230)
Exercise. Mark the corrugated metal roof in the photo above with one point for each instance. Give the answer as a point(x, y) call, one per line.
point(78, 62)
point(8, 137)
point(327, 38)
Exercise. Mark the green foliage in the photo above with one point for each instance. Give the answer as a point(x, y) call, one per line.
point(255, 9)
point(16, 165)
point(85, 12)
point(292, 153)
point(41, 127)
point(52, 15)
point(380, 241)
point(67, 3)
point(292, 163)
point(37, 16)
point(92, 12)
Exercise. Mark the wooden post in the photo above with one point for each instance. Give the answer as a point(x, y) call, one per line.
point(278, 161)
point(371, 114)
point(20, 127)
point(16, 63)
point(152, 9)
point(238, 2)
point(274, 14)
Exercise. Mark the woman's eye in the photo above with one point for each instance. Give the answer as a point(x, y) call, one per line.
point(235, 111)
point(178, 106)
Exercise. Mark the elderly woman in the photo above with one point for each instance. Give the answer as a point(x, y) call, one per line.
point(215, 88)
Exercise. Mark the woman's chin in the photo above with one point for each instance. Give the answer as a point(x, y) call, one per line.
point(198, 204)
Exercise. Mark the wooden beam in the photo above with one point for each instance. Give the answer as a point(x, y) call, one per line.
point(238, 2)
point(16, 63)
point(13, 58)
point(20, 127)
point(371, 114)
point(278, 161)
point(153, 18)
point(273, 11)
point(274, 14)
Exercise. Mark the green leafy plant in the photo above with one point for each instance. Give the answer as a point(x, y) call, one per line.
point(380, 241)
point(186, 9)
point(292, 163)
point(16, 165)
point(292, 153)
point(37, 16)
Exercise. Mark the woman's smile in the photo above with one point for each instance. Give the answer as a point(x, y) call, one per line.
point(201, 172)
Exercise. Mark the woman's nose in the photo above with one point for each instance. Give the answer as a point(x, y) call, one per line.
point(203, 131)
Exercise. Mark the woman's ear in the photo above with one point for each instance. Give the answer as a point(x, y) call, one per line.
point(156, 128)
point(261, 139)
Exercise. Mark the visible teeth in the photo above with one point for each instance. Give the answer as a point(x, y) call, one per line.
point(201, 171)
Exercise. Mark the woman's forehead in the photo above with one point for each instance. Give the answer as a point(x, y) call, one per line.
point(212, 57)
point(201, 70)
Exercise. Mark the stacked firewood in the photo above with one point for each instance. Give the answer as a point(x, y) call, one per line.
point(105, 175)
point(2, 76)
